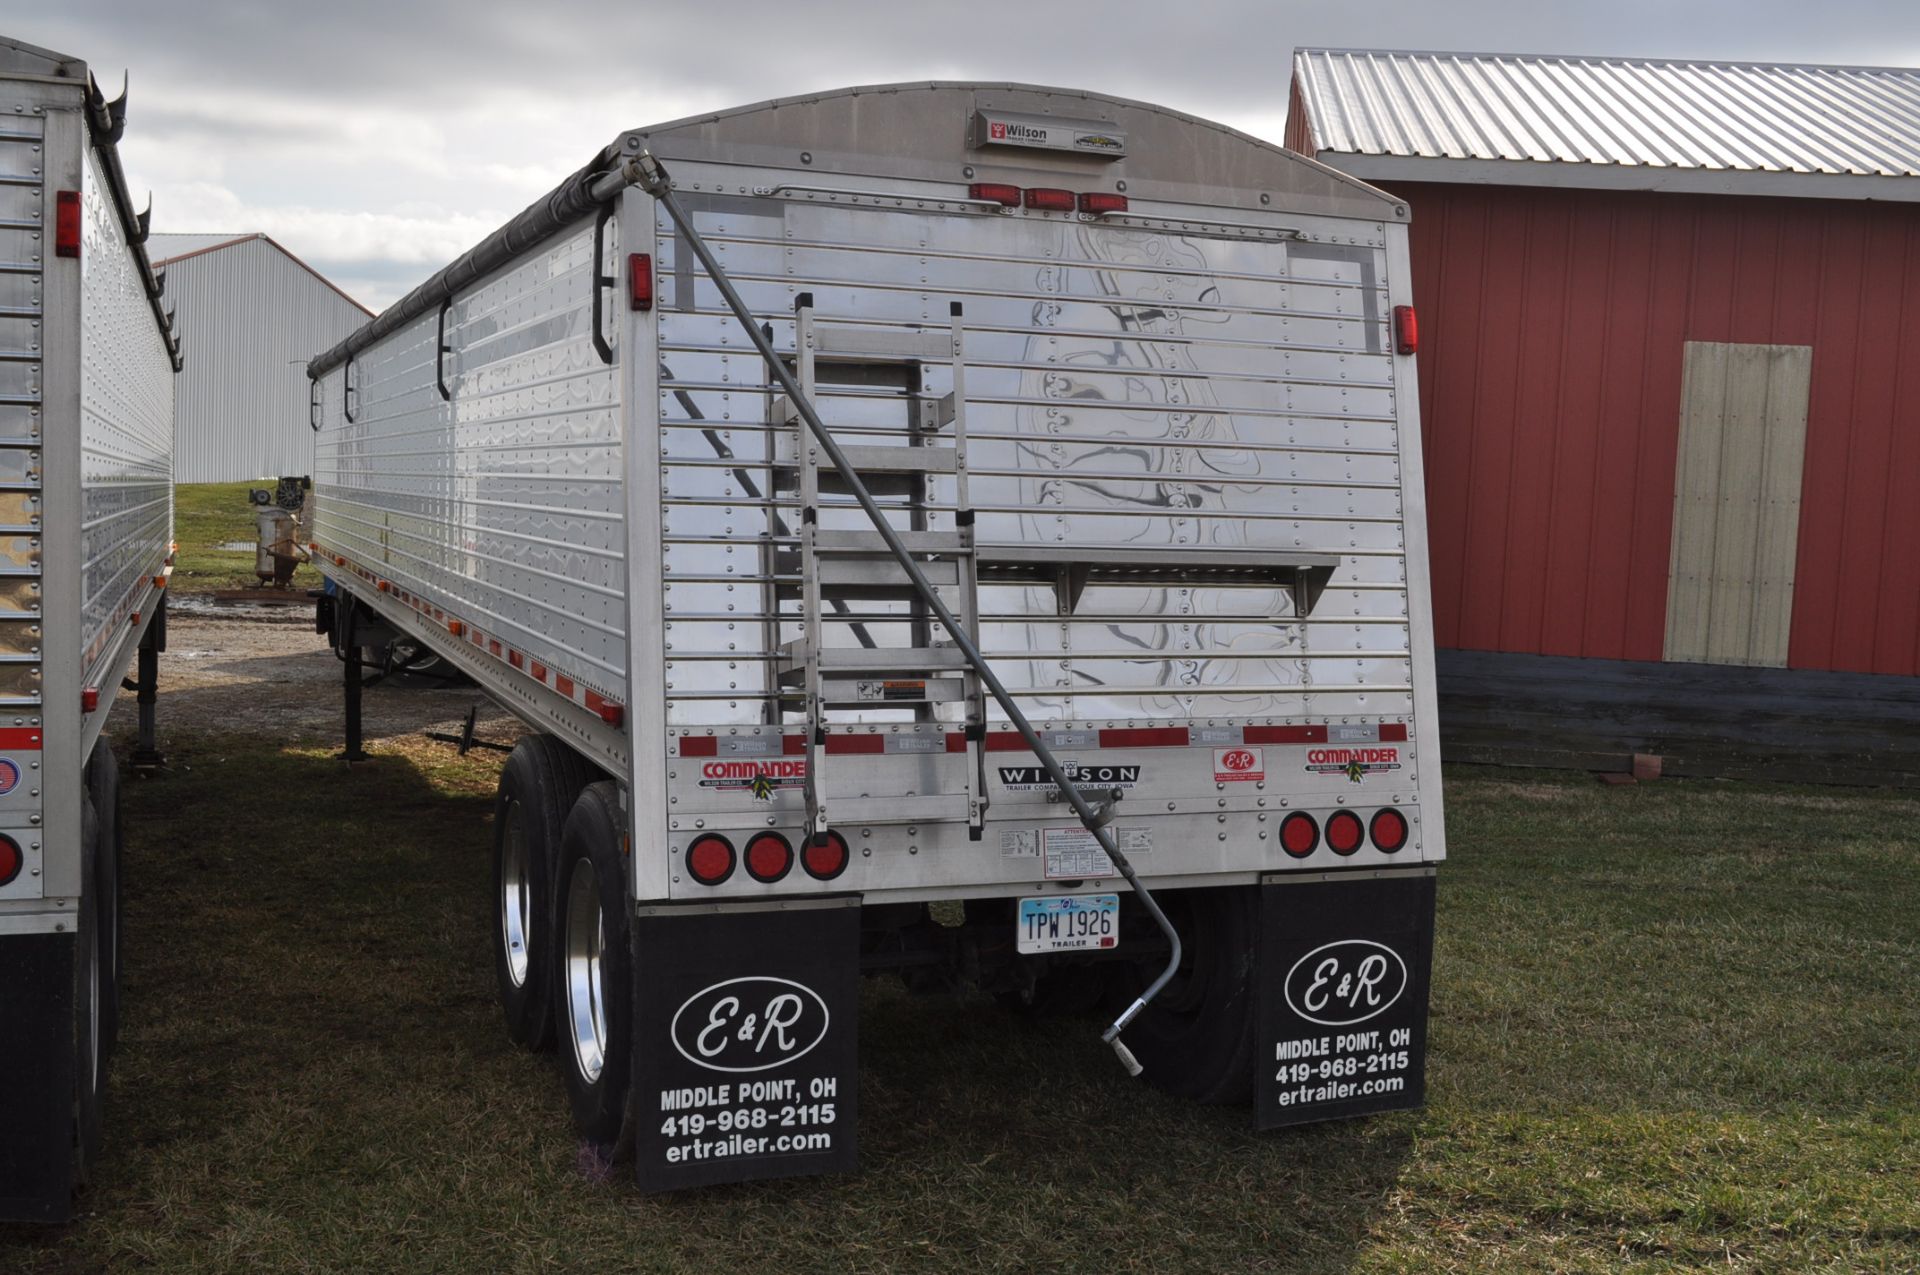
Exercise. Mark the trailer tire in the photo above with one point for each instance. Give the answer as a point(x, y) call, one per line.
point(89, 1060)
point(538, 786)
point(594, 977)
point(103, 793)
point(1196, 1038)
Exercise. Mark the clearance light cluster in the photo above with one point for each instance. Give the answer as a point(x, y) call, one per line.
point(1094, 203)
point(1344, 833)
point(768, 857)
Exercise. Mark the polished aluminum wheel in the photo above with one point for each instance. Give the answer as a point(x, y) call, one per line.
point(585, 940)
point(516, 898)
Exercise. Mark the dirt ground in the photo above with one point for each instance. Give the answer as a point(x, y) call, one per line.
point(262, 670)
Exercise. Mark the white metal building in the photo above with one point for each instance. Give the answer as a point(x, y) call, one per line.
point(252, 313)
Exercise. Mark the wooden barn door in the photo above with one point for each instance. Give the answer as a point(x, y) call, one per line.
point(1736, 502)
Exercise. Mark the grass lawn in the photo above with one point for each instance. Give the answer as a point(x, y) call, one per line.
point(206, 516)
point(1674, 1027)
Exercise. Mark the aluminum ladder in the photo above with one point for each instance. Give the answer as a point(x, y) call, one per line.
point(848, 568)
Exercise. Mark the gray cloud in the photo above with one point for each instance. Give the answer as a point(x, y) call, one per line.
point(372, 136)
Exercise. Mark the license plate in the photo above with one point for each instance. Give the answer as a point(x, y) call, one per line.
point(1068, 923)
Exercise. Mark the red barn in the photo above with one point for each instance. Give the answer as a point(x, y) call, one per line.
point(1670, 371)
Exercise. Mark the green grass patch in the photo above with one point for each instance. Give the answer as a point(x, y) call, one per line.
point(1674, 1027)
point(207, 516)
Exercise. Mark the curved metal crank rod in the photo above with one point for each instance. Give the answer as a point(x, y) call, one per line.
point(646, 170)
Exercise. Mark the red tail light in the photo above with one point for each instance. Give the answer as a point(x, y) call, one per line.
point(825, 857)
point(1299, 834)
point(1047, 199)
point(66, 224)
point(1388, 830)
point(710, 859)
point(1406, 329)
point(1097, 201)
point(768, 857)
point(996, 192)
point(640, 281)
point(89, 699)
point(1344, 832)
point(11, 860)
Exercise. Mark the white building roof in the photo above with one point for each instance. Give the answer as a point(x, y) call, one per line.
point(1633, 123)
point(165, 248)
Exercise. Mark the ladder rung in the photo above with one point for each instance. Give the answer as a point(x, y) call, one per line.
point(924, 808)
point(836, 338)
point(892, 692)
point(878, 659)
point(879, 571)
point(870, 542)
point(871, 458)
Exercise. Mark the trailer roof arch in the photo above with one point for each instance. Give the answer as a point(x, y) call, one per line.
point(937, 131)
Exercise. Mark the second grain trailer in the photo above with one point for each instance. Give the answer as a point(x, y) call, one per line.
point(87, 359)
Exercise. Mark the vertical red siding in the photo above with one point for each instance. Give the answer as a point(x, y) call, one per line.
point(1554, 323)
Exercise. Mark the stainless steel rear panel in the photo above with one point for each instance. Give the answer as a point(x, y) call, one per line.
point(1126, 388)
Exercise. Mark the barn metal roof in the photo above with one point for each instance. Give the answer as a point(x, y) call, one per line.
point(1641, 123)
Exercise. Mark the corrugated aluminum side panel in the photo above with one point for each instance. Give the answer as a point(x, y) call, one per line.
point(1124, 388)
point(1554, 326)
point(505, 506)
point(1643, 112)
point(126, 433)
point(250, 316)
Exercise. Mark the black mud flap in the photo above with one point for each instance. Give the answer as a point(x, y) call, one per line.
point(745, 1044)
point(36, 1062)
point(1344, 969)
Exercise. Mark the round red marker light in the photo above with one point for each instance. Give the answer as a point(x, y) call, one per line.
point(1344, 832)
point(825, 857)
point(1389, 830)
point(769, 857)
point(11, 860)
point(710, 859)
point(1299, 834)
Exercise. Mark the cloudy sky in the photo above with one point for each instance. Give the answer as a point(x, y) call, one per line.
point(378, 140)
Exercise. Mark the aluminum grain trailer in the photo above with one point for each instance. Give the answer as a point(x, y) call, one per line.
point(955, 529)
point(87, 359)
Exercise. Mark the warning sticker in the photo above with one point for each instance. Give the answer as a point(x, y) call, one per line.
point(1019, 843)
point(1237, 765)
point(1074, 854)
point(910, 690)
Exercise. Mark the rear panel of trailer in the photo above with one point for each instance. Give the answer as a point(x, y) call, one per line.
point(1217, 369)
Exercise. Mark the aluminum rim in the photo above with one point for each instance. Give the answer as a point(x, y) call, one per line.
point(516, 898)
point(585, 940)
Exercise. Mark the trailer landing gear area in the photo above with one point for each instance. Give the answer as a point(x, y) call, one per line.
point(1343, 996)
point(749, 1026)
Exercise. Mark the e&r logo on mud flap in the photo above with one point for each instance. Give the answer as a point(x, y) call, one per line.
point(1355, 763)
point(1338, 984)
point(754, 1023)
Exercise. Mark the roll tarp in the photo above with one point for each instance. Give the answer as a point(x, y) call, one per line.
point(567, 203)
